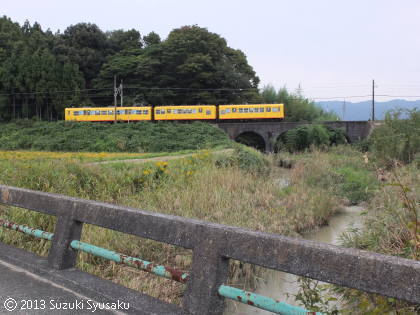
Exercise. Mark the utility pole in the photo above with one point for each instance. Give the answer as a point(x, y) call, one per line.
point(373, 100)
point(121, 92)
point(14, 106)
point(344, 109)
point(115, 99)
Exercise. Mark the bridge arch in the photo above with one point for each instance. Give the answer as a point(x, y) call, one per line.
point(252, 139)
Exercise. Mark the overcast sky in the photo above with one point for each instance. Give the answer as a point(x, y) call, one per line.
point(330, 47)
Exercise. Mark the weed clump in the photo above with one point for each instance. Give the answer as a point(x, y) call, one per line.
point(245, 158)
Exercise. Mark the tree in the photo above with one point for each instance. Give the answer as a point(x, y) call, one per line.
point(151, 39)
point(192, 60)
point(123, 40)
point(296, 106)
point(83, 44)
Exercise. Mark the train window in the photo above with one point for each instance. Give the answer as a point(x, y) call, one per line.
point(194, 111)
point(275, 109)
point(227, 110)
point(145, 112)
point(81, 112)
point(119, 112)
point(87, 112)
point(168, 111)
point(223, 112)
point(233, 110)
point(200, 110)
point(268, 109)
point(208, 112)
point(189, 111)
point(162, 111)
point(256, 110)
point(110, 112)
point(97, 112)
point(175, 111)
point(262, 110)
point(241, 110)
point(251, 110)
point(245, 110)
point(76, 113)
point(103, 112)
point(157, 111)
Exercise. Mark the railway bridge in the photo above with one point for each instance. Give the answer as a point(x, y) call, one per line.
point(44, 285)
point(267, 133)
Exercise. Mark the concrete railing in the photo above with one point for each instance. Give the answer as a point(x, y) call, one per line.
point(213, 245)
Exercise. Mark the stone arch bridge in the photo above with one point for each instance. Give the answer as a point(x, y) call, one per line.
point(268, 132)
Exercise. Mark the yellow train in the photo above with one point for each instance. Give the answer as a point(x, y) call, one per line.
point(245, 112)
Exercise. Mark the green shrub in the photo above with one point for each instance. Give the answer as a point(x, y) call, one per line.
point(304, 137)
point(398, 139)
point(363, 145)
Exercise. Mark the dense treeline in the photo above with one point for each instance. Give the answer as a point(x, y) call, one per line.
point(42, 72)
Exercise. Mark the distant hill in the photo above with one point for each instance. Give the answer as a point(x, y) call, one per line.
point(363, 110)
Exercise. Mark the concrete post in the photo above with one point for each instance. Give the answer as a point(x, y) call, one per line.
point(209, 271)
point(61, 256)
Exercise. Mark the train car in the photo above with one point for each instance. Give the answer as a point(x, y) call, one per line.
point(251, 111)
point(185, 112)
point(107, 114)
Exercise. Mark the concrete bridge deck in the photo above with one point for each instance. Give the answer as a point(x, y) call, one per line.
point(32, 283)
point(22, 292)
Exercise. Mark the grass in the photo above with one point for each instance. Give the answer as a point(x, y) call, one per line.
point(240, 188)
point(82, 156)
point(92, 137)
point(391, 227)
point(341, 169)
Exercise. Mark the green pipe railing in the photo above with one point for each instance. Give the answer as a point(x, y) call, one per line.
point(232, 293)
point(27, 230)
point(261, 301)
point(159, 270)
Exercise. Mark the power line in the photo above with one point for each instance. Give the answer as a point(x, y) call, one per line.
point(386, 95)
point(339, 97)
point(51, 92)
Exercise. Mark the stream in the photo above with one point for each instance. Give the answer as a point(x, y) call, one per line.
point(277, 284)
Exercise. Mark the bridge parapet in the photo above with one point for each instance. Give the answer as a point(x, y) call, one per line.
point(213, 245)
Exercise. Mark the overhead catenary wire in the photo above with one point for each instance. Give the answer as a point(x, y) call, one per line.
point(188, 89)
